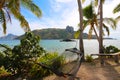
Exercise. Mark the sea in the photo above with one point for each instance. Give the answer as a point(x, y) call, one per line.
point(91, 46)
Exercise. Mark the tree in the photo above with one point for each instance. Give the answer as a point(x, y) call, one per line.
point(100, 12)
point(15, 60)
point(91, 20)
point(12, 7)
point(81, 46)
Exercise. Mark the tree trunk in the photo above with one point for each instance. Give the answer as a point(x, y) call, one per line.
point(81, 46)
point(101, 32)
point(2, 3)
point(96, 33)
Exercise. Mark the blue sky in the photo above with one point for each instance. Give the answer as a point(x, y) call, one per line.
point(58, 14)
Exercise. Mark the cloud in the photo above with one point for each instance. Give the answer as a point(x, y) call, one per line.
point(63, 13)
point(108, 8)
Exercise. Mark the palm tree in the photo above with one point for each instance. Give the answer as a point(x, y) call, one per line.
point(100, 11)
point(81, 46)
point(91, 20)
point(8, 7)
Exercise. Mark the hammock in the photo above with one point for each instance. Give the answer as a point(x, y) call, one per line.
point(69, 70)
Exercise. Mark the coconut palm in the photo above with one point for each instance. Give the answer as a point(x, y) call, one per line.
point(81, 46)
point(91, 20)
point(8, 7)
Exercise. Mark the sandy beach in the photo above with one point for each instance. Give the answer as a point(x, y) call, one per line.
point(94, 71)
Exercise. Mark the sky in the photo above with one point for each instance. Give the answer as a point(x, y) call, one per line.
point(59, 14)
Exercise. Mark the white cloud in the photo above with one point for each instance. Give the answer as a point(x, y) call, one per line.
point(63, 13)
point(108, 8)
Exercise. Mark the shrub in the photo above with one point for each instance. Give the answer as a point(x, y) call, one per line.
point(89, 58)
point(52, 60)
point(19, 60)
point(111, 49)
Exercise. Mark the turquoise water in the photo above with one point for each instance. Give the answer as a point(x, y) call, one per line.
point(91, 46)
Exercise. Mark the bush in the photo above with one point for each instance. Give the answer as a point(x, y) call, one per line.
point(111, 49)
point(89, 58)
point(52, 60)
point(19, 60)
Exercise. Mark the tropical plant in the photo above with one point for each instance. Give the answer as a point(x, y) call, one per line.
point(8, 7)
point(91, 20)
point(100, 12)
point(15, 59)
point(21, 60)
point(52, 60)
point(88, 58)
point(111, 49)
point(116, 10)
point(81, 46)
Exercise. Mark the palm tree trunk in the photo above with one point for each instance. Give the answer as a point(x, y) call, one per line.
point(96, 33)
point(101, 32)
point(2, 3)
point(81, 47)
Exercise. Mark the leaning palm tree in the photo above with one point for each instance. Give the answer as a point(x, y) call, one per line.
point(91, 20)
point(8, 7)
point(81, 46)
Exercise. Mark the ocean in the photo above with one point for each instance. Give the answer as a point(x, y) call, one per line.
point(91, 46)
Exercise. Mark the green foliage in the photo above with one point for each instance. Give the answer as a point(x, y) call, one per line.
point(12, 7)
point(111, 49)
point(3, 71)
point(89, 58)
point(88, 12)
point(19, 60)
point(52, 60)
point(16, 60)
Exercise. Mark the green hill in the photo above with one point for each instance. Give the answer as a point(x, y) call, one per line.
point(53, 33)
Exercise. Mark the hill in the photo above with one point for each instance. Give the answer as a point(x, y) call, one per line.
point(8, 37)
point(53, 33)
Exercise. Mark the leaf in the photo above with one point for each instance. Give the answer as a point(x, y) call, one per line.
point(117, 8)
point(77, 33)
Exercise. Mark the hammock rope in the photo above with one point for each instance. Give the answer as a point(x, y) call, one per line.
point(73, 69)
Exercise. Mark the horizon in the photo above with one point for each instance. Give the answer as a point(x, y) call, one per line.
point(56, 28)
point(59, 14)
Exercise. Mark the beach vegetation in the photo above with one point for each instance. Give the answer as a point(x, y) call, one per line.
point(21, 60)
point(88, 58)
point(13, 7)
point(111, 49)
point(81, 45)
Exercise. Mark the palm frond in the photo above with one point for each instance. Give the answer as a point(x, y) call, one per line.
point(117, 19)
point(88, 11)
point(90, 32)
point(117, 8)
point(3, 20)
point(23, 22)
point(107, 29)
point(96, 2)
point(85, 23)
point(8, 15)
point(14, 4)
point(76, 34)
point(83, 1)
point(32, 7)
point(111, 22)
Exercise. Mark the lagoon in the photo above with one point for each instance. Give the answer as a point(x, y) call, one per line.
point(91, 46)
